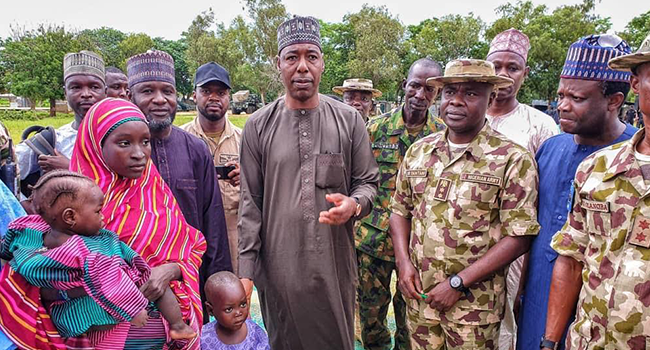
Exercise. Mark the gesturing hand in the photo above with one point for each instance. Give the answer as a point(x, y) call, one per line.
point(344, 208)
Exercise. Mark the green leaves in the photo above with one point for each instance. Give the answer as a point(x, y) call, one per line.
point(33, 61)
point(550, 34)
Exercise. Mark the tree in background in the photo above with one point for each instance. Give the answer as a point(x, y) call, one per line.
point(337, 41)
point(448, 38)
point(246, 50)
point(106, 42)
point(3, 70)
point(371, 43)
point(550, 36)
point(177, 48)
point(378, 39)
point(637, 30)
point(34, 62)
point(132, 45)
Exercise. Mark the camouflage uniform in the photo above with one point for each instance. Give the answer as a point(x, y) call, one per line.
point(459, 208)
point(608, 231)
point(390, 140)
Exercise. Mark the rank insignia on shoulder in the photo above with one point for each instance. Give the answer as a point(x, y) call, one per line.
point(442, 189)
point(641, 232)
point(602, 207)
point(416, 173)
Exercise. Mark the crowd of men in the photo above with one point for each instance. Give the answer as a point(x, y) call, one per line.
point(503, 230)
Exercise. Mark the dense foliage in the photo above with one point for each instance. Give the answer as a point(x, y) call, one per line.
point(371, 43)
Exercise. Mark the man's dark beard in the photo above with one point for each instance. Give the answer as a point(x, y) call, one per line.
point(160, 125)
point(213, 117)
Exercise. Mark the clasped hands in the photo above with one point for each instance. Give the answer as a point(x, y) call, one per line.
point(442, 297)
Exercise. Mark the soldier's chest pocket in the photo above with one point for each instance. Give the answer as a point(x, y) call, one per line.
point(387, 160)
point(476, 202)
point(330, 171)
point(597, 218)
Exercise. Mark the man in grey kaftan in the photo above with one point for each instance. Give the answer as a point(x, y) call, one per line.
point(296, 244)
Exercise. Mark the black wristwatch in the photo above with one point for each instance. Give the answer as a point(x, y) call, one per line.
point(548, 344)
point(456, 282)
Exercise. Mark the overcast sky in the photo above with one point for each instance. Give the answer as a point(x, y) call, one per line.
point(169, 19)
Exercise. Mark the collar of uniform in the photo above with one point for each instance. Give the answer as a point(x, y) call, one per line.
point(397, 122)
point(624, 160)
point(227, 131)
point(474, 147)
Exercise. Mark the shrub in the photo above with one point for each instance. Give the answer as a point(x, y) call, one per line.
point(27, 115)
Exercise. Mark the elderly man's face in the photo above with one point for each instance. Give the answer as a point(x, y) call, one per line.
point(582, 106)
point(360, 100)
point(83, 91)
point(463, 106)
point(641, 86)
point(157, 100)
point(301, 66)
point(509, 65)
point(418, 95)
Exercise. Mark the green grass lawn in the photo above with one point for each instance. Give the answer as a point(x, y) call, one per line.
point(16, 127)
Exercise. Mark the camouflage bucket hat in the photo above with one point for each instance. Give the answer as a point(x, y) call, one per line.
point(631, 61)
point(357, 85)
point(461, 71)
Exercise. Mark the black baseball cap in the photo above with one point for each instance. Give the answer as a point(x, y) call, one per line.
point(211, 72)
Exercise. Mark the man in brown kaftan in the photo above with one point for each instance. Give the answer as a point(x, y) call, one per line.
point(307, 171)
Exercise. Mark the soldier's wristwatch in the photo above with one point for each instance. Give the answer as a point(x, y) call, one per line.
point(456, 282)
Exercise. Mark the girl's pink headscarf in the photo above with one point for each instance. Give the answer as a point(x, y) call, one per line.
point(143, 212)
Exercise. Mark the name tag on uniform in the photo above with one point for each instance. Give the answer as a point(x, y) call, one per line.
point(442, 189)
point(482, 179)
point(225, 158)
point(602, 207)
point(641, 232)
point(385, 146)
point(416, 173)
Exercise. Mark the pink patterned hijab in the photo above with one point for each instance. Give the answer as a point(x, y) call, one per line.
point(143, 211)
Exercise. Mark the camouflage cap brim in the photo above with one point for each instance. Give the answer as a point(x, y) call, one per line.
point(629, 62)
point(341, 89)
point(497, 81)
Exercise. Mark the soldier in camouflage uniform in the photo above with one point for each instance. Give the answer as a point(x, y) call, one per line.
point(604, 247)
point(463, 209)
point(359, 94)
point(390, 135)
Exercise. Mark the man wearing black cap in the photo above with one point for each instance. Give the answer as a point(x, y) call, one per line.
point(307, 172)
point(212, 97)
point(183, 161)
